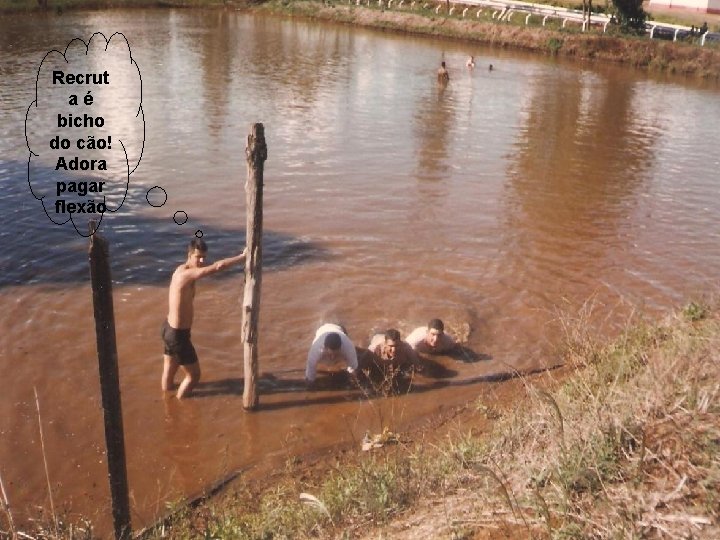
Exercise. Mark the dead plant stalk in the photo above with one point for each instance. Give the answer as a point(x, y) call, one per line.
point(47, 472)
point(6, 508)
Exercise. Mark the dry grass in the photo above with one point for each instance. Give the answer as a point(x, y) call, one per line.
point(628, 446)
point(655, 55)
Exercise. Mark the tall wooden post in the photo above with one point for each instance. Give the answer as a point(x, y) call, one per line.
point(256, 154)
point(110, 383)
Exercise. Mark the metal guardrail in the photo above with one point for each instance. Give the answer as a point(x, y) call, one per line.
point(505, 9)
point(675, 32)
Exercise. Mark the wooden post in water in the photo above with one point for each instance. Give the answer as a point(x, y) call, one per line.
point(256, 154)
point(109, 383)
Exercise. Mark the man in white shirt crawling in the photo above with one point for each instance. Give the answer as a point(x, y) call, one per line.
point(330, 346)
point(431, 339)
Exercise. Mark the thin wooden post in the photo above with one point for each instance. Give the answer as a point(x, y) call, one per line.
point(110, 383)
point(256, 154)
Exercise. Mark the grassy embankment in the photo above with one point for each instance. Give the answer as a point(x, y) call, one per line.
point(626, 446)
point(638, 51)
point(656, 55)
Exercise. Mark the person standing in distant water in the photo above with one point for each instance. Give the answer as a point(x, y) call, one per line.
point(442, 75)
point(179, 350)
point(471, 62)
point(431, 339)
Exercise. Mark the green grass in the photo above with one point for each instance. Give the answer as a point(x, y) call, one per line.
point(624, 446)
point(682, 58)
point(584, 460)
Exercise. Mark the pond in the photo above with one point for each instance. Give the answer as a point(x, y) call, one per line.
point(504, 203)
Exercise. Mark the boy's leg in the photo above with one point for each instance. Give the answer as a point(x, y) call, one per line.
point(192, 376)
point(170, 367)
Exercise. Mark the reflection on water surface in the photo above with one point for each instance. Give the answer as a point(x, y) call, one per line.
point(496, 203)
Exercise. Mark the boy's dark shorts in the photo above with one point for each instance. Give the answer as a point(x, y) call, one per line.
point(178, 345)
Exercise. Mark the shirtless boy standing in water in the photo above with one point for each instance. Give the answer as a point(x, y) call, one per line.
point(442, 74)
point(179, 351)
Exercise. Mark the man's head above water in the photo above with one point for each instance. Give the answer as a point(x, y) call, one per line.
point(435, 331)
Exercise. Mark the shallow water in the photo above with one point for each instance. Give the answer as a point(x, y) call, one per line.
point(498, 203)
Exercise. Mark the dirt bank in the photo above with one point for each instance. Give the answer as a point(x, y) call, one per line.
point(641, 52)
point(661, 56)
point(620, 443)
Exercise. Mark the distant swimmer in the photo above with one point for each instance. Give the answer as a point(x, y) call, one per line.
point(442, 75)
point(431, 339)
point(471, 62)
point(330, 346)
point(389, 348)
point(179, 350)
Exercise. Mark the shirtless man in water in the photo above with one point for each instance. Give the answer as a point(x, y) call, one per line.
point(442, 74)
point(431, 339)
point(179, 351)
point(390, 349)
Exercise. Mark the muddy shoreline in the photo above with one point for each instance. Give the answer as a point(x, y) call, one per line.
point(476, 418)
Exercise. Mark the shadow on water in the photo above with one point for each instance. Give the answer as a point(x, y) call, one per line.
point(143, 250)
point(338, 387)
point(487, 378)
point(340, 382)
point(269, 385)
point(467, 356)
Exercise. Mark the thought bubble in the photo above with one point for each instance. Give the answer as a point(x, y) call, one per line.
point(85, 130)
point(157, 197)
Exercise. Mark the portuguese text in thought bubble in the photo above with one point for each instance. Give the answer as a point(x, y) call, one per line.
point(85, 130)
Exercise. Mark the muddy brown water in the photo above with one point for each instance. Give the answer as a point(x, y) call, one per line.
point(498, 203)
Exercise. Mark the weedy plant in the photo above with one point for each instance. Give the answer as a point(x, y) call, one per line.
point(625, 447)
